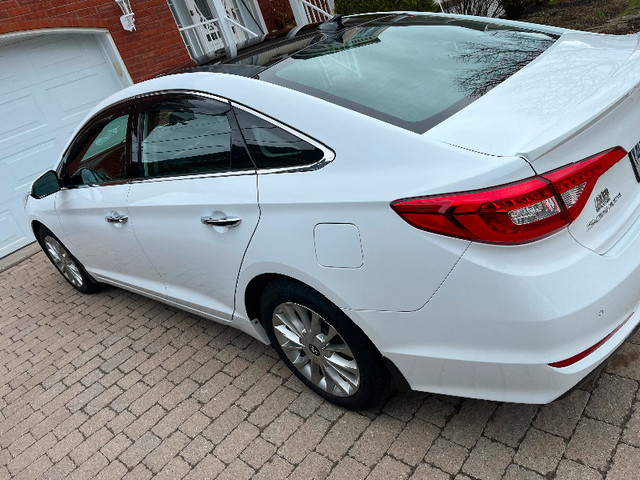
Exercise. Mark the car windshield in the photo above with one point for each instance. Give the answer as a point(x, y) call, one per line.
point(412, 71)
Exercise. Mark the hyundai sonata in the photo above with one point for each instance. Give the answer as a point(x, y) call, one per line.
point(444, 203)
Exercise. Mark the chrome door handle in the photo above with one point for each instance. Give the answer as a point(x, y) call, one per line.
point(116, 218)
point(222, 222)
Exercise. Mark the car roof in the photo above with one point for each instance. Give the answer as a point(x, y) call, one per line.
point(408, 69)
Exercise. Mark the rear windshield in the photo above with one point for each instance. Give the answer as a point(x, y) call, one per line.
point(411, 71)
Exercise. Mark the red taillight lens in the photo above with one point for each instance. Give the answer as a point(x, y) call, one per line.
point(514, 213)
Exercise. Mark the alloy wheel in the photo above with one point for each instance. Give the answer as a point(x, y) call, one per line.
point(63, 261)
point(316, 349)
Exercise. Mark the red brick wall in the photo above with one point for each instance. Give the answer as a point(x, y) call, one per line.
point(154, 47)
point(277, 14)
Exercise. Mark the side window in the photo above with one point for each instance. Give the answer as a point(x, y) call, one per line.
point(100, 158)
point(184, 137)
point(273, 147)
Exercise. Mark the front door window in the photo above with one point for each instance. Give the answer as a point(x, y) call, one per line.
point(101, 159)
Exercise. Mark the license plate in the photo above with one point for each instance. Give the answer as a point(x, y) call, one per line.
point(634, 156)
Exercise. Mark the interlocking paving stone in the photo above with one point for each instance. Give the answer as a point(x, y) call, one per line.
point(413, 442)
point(570, 470)
point(593, 443)
point(488, 460)
point(626, 463)
point(510, 423)
point(540, 451)
point(114, 385)
point(516, 472)
point(467, 425)
point(562, 416)
point(389, 468)
point(612, 399)
point(447, 455)
point(313, 466)
point(376, 439)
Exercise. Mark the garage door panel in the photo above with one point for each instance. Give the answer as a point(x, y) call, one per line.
point(60, 53)
point(12, 235)
point(29, 159)
point(48, 87)
point(73, 95)
point(13, 76)
point(21, 117)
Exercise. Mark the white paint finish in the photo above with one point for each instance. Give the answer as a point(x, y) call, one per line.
point(456, 317)
point(551, 99)
point(108, 250)
point(198, 263)
point(505, 313)
point(47, 85)
point(338, 245)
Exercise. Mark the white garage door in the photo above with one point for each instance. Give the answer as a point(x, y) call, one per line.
point(47, 86)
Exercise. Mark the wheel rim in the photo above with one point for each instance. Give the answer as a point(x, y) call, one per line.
point(316, 349)
point(63, 261)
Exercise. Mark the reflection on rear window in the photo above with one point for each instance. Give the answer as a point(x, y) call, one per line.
point(413, 72)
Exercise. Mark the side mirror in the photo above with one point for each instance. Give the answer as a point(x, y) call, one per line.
point(46, 184)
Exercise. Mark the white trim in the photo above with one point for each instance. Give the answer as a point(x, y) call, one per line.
point(113, 54)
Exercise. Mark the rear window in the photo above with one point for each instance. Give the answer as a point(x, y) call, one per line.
point(413, 72)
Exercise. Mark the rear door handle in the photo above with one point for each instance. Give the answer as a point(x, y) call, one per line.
point(116, 218)
point(222, 222)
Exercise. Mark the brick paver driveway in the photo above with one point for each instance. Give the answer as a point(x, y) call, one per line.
point(114, 385)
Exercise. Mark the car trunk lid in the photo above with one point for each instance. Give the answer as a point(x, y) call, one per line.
point(579, 98)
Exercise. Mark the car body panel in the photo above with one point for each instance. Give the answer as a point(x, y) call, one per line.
point(494, 338)
point(198, 263)
point(108, 250)
point(454, 316)
point(558, 94)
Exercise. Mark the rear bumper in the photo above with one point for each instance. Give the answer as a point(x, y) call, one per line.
point(505, 313)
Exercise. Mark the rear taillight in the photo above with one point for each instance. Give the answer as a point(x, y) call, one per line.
point(515, 213)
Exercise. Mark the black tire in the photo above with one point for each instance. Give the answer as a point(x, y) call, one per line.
point(68, 266)
point(334, 358)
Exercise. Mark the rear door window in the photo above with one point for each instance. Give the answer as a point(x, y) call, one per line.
point(184, 136)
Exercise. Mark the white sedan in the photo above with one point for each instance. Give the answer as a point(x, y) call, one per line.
point(443, 203)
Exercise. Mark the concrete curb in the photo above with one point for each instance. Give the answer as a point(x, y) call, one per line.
point(18, 256)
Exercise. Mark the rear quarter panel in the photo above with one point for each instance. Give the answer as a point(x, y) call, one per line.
point(375, 163)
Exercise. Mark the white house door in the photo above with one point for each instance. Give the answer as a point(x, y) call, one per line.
point(213, 28)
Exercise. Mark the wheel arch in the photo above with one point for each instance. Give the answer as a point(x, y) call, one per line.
point(36, 225)
point(254, 290)
point(252, 295)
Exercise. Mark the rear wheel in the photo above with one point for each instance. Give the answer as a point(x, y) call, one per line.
point(322, 347)
point(72, 271)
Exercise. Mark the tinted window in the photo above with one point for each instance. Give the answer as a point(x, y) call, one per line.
point(272, 147)
point(100, 158)
point(180, 139)
point(411, 71)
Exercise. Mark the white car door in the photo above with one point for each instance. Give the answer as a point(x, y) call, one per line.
point(92, 209)
point(194, 207)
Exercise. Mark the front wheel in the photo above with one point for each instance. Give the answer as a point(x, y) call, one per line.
point(72, 271)
point(322, 347)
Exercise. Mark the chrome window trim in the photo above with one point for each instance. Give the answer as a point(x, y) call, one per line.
point(177, 91)
point(198, 176)
point(328, 154)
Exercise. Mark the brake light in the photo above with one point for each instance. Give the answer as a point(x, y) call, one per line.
point(519, 212)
